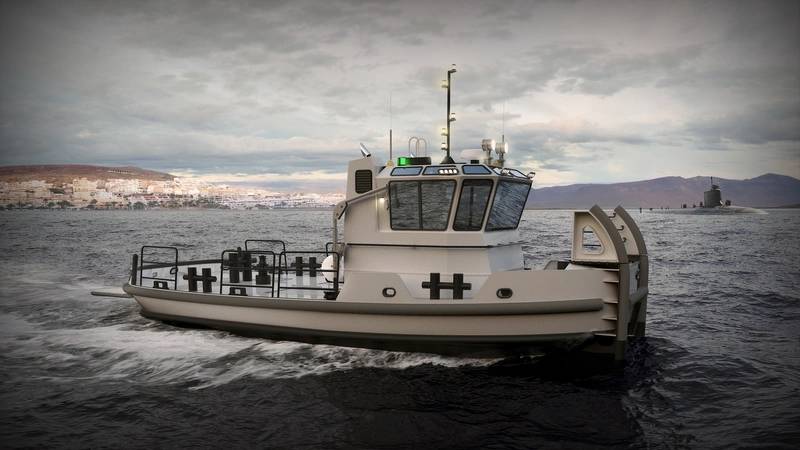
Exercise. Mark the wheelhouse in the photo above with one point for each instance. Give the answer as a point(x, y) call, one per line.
point(430, 259)
point(460, 197)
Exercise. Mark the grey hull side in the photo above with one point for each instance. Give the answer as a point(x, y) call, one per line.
point(514, 328)
point(443, 308)
point(472, 346)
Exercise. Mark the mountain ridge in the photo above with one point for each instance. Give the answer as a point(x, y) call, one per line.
point(767, 190)
point(67, 172)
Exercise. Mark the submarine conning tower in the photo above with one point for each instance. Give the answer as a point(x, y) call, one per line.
point(712, 197)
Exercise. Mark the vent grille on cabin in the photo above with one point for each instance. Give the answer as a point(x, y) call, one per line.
point(363, 181)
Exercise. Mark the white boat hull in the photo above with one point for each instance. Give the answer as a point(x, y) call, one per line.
point(598, 295)
point(519, 329)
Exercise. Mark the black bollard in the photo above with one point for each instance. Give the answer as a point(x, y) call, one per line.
point(312, 266)
point(298, 266)
point(263, 271)
point(192, 277)
point(247, 266)
point(134, 268)
point(207, 279)
point(233, 266)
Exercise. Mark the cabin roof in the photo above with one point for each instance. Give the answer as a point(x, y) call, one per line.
point(449, 170)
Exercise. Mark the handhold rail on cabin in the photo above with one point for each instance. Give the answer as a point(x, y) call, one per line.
point(339, 210)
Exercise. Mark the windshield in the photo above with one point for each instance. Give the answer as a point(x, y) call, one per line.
point(509, 202)
point(472, 205)
point(420, 205)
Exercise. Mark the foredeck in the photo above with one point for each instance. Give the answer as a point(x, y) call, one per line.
point(262, 268)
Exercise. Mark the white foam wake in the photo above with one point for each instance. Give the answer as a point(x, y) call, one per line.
point(156, 353)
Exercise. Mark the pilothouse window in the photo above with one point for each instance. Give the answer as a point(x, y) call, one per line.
point(436, 200)
point(404, 205)
point(420, 205)
point(472, 204)
point(509, 202)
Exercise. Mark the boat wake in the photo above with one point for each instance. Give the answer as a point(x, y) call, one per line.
point(148, 352)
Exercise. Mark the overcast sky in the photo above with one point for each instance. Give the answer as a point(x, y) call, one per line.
point(279, 94)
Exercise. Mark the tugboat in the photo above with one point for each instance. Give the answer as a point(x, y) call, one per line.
point(430, 260)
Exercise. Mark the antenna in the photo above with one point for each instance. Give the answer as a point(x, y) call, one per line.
point(502, 149)
point(504, 122)
point(390, 128)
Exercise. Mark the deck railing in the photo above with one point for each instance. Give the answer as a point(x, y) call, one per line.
point(246, 272)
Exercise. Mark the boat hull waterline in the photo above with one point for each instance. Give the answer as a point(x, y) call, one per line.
point(559, 325)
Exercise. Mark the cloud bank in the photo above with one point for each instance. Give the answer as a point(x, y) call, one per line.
point(281, 93)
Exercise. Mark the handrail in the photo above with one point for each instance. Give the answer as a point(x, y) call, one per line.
point(246, 267)
point(283, 258)
point(181, 263)
point(342, 206)
point(416, 141)
point(276, 268)
point(338, 212)
point(270, 241)
point(174, 265)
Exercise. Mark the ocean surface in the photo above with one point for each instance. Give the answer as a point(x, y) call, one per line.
point(719, 368)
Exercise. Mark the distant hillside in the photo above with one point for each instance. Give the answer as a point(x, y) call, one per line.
point(768, 190)
point(68, 172)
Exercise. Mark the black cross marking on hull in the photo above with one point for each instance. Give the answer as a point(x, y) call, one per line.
point(458, 286)
point(206, 278)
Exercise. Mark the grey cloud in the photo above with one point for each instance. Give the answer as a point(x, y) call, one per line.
point(758, 125)
point(167, 84)
point(555, 166)
point(574, 69)
point(601, 72)
point(575, 132)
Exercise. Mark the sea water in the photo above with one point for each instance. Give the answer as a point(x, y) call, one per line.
point(720, 366)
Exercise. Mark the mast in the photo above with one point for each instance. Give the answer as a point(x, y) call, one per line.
point(450, 117)
point(390, 129)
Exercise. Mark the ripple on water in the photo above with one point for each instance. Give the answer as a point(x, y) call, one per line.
point(717, 370)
